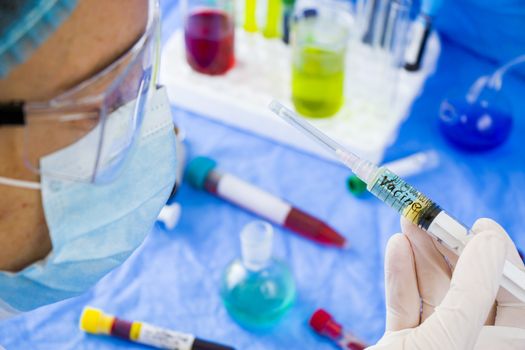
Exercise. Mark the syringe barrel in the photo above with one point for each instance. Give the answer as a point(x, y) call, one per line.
point(418, 209)
point(403, 167)
point(404, 198)
point(426, 214)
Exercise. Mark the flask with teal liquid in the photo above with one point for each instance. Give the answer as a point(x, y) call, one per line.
point(257, 290)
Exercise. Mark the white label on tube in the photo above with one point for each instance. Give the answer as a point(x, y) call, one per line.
point(164, 338)
point(253, 199)
point(412, 51)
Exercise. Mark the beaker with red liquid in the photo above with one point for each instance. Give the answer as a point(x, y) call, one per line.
point(209, 28)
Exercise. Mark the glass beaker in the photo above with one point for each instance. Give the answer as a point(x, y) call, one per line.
point(319, 42)
point(209, 27)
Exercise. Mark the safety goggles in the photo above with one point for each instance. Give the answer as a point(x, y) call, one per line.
point(98, 120)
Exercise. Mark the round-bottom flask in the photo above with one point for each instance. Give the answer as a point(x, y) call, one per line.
point(257, 290)
point(478, 125)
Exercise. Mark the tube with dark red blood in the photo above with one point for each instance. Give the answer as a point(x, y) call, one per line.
point(201, 173)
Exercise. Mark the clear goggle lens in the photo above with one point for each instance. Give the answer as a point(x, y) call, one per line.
point(87, 133)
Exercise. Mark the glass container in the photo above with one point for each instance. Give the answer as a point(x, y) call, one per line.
point(319, 42)
point(257, 289)
point(209, 32)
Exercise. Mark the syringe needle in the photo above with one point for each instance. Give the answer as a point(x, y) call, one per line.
point(361, 167)
point(305, 128)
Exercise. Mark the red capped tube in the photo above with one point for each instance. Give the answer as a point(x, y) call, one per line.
point(324, 324)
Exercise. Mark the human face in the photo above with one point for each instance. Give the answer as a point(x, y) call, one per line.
point(96, 35)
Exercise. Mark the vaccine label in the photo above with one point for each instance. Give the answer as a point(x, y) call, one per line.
point(401, 196)
point(164, 339)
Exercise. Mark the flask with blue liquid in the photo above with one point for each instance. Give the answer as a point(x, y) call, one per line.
point(257, 289)
point(481, 119)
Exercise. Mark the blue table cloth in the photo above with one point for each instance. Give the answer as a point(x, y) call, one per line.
point(173, 279)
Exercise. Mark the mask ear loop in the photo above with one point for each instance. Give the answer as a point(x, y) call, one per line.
point(20, 183)
point(493, 81)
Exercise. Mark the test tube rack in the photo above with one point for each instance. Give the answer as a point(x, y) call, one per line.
point(365, 125)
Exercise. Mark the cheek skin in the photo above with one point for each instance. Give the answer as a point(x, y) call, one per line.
point(24, 236)
point(23, 232)
point(96, 33)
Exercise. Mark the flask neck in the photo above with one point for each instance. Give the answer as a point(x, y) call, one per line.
point(256, 245)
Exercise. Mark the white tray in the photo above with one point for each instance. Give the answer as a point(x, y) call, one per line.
point(262, 72)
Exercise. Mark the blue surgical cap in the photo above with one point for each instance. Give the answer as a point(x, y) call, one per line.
point(25, 25)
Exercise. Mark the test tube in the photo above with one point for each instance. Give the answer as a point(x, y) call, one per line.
point(404, 167)
point(393, 46)
point(273, 19)
point(416, 46)
point(250, 16)
point(95, 321)
point(383, 19)
point(378, 18)
point(324, 324)
point(377, 59)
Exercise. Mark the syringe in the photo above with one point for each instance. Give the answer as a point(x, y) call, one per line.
point(405, 199)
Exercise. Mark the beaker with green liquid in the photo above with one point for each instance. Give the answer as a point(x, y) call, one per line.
point(319, 42)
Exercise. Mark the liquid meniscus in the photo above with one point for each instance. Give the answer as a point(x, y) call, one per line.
point(405, 199)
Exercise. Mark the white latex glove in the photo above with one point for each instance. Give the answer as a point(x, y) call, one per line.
point(435, 301)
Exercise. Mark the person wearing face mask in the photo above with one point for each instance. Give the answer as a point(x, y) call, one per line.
point(87, 143)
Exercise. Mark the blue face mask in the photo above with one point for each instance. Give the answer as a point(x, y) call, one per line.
point(94, 228)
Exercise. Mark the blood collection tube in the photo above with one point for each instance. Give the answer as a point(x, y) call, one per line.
point(404, 167)
point(95, 321)
point(201, 174)
point(324, 324)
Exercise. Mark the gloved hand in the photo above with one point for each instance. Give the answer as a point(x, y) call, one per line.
point(435, 301)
